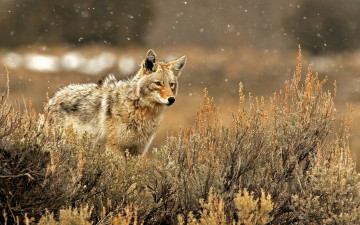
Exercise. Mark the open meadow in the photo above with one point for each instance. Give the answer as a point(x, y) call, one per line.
point(221, 156)
point(218, 70)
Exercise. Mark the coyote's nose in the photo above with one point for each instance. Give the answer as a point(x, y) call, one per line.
point(171, 100)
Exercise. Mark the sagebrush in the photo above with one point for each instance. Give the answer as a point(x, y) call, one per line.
point(281, 161)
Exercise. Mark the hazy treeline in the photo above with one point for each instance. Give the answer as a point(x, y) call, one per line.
point(82, 22)
point(320, 26)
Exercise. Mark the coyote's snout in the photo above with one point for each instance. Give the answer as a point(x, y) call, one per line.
point(123, 115)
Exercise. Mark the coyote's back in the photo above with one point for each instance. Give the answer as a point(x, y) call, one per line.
point(122, 115)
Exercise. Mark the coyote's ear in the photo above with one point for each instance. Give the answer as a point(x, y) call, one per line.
point(149, 64)
point(177, 65)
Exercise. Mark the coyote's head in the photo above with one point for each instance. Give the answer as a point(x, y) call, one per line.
point(157, 81)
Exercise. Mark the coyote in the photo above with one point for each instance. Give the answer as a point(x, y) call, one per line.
point(122, 115)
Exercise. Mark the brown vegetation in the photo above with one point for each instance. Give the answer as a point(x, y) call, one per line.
point(277, 163)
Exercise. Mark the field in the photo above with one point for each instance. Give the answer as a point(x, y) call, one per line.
point(218, 70)
point(221, 156)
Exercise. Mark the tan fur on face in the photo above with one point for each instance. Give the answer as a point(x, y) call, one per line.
point(166, 92)
point(122, 114)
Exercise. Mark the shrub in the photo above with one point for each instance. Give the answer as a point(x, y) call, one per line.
point(288, 148)
point(40, 169)
point(253, 211)
point(266, 147)
point(330, 195)
point(67, 216)
point(249, 210)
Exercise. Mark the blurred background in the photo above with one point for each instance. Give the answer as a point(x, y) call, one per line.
point(48, 44)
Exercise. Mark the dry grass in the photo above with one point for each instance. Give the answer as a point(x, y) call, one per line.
point(272, 164)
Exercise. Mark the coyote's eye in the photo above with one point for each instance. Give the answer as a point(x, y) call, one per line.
point(172, 85)
point(158, 83)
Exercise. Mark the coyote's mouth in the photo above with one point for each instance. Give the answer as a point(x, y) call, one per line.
point(169, 101)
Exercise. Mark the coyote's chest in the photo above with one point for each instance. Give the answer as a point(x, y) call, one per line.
point(135, 130)
point(143, 122)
